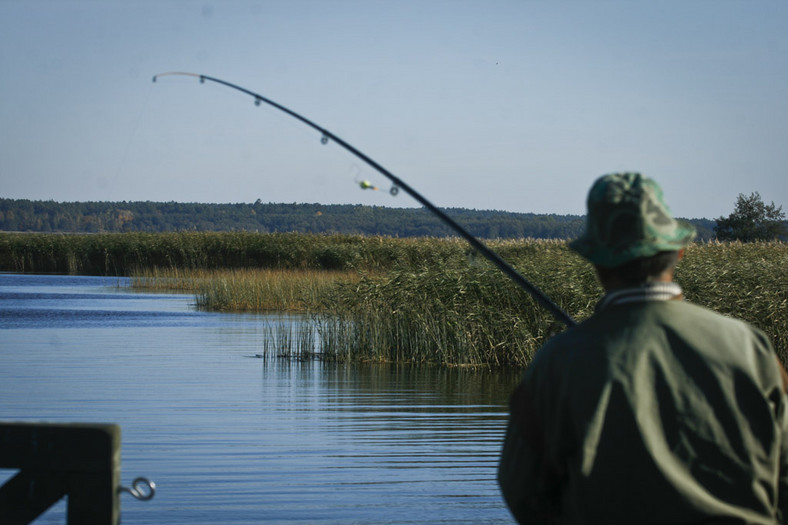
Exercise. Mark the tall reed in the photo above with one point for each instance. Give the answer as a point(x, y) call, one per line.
point(289, 340)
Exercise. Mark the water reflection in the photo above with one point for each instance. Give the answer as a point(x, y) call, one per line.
point(229, 439)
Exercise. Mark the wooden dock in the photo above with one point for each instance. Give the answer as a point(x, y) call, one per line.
point(77, 460)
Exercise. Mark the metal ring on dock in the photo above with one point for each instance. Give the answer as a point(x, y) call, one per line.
point(141, 488)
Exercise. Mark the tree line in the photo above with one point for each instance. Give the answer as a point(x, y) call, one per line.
point(146, 216)
point(752, 220)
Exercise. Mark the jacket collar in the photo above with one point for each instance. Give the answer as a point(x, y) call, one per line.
point(648, 292)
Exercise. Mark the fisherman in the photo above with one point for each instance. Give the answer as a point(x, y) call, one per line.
point(653, 410)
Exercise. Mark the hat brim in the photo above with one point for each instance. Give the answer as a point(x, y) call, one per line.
point(608, 257)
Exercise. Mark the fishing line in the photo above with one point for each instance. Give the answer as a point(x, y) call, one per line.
point(327, 136)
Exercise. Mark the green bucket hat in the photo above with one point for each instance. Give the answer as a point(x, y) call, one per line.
point(628, 219)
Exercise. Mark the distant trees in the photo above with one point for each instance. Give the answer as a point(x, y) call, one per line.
point(95, 217)
point(752, 220)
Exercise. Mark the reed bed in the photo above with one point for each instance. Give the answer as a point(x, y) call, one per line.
point(122, 254)
point(250, 289)
point(471, 315)
point(270, 290)
point(291, 341)
point(456, 314)
point(424, 300)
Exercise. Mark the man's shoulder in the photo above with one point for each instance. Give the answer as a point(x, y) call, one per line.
point(564, 347)
point(607, 325)
point(697, 317)
point(679, 311)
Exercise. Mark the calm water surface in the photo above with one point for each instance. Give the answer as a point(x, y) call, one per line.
point(230, 438)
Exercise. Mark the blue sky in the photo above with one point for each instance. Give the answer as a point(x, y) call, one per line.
point(506, 105)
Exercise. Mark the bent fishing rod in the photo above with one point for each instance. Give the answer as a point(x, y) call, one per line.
point(479, 246)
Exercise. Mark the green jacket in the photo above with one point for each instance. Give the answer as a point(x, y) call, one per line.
point(649, 412)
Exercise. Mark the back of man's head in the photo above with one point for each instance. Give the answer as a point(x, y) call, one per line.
point(640, 271)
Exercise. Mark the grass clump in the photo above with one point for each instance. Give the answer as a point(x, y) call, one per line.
point(250, 289)
point(270, 290)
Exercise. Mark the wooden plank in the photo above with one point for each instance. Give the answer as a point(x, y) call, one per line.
point(27, 495)
point(74, 447)
point(93, 499)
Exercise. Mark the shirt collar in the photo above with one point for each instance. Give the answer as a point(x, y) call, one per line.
point(648, 292)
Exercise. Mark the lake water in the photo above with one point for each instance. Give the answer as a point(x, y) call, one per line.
point(231, 438)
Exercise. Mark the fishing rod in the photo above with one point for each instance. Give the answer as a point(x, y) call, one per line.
point(479, 246)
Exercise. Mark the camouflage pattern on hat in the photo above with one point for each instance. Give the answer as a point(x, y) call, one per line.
point(628, 219)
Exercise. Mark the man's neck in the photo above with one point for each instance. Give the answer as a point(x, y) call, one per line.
point(611, 283)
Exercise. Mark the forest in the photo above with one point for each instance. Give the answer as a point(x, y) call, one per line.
point(20, 215)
